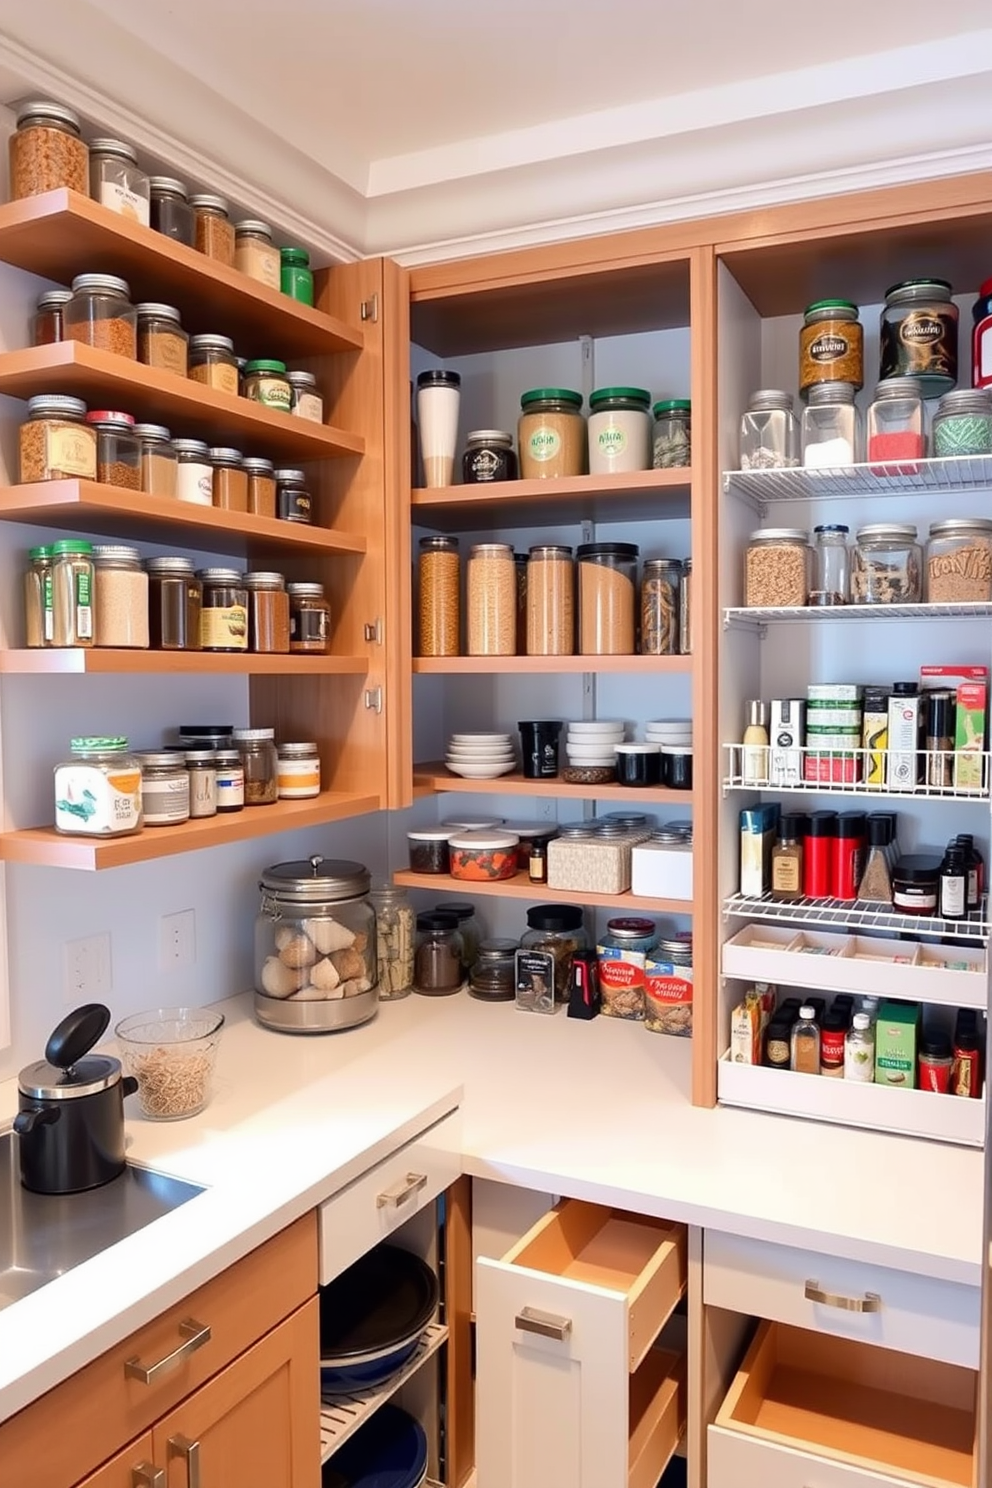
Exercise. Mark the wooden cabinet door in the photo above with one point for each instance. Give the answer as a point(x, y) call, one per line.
point(132, 1468)
point(257, 1423)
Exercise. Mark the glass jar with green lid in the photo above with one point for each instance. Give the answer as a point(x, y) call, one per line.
point(98, 789)
point(39, 616)
point(72, 592)
point(672, 446)
point(831, 345)
point(265, 382)
point(551, 434)
point(296, 276)
point(619, 430)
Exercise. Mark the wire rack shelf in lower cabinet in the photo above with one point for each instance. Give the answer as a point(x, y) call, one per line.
point(341, 1415)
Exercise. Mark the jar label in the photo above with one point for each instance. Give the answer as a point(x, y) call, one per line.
point(309, 406)
point(120, 198)
point(71, 452)
point(195, 483)
point(535, 980)
point(216, 375)
point(923, 344)
point(486, 465)
point(84, 604)
point(611, 442)
point(271, 392)
point(668, 998)
point(95, 803)
point(224, 628)
point(828, 348)
point(621, 981)
point(230, 788)
point(831, 351)
point(165, 801)
point(299, 777)
point(165, 351)
point(544, 443)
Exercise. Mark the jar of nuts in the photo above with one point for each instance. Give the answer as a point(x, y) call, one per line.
point(101, 315)
point(777, 566)
point(959, 561)
point(886, 565)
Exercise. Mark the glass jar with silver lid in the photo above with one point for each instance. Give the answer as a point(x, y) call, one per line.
point(886, 564)
point(164, 787)
point(194, 472)
point(959, 561)
point(769, 432)
point(261, 764)
point(306, 400)
point(118, 182)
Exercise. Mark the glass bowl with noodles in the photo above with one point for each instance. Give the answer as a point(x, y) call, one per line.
point(171, 1052)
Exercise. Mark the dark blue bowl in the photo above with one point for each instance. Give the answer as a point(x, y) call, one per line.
point(372, 1316)
point(336, 1379)
point(389, 1451)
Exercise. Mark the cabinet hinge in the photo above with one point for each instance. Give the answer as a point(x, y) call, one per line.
point(373, 632)
point(373, 699)
point(370, 308)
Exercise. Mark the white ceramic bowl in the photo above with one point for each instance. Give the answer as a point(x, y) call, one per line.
point(479, 751)
point(597, 726)
point(479, 771)
point(592, 757)
point(480, 738)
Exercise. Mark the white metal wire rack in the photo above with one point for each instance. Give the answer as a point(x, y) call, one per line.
point(753, 616)
point(811, 771)
point(857, 914)
point(341, 1415)
point(764, 488)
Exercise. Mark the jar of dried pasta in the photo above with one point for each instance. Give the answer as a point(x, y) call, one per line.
point(55, 442)
point(212, 362)
point(491, 600)
point(607, 578)
point(660, 595)
point(439, 575)
point(550, 601)
point(100, 314)
point(959, 561)
point(162, 342)
point(212, 228)
point(46, 151)
point(255, 254)
point(551, 434)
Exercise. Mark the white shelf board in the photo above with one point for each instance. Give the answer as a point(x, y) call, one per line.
point(341, 1415)
point(858, 762)
point(855, 914)
point(900, 478)
point(757, 617)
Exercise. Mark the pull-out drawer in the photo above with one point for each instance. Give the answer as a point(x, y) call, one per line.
point(874, 1304)
point(384, 1198)
point(810, 1411)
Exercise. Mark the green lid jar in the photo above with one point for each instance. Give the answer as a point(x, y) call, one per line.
point(295, 276)
point(266, 382)
point(551, 434)
point(831, 345)
point(619, 430)
point(39, 617)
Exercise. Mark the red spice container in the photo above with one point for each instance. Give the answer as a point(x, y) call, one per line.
point(833, 1031)
point(966, 1065)
point(849, 854)
point(934, 1063)
point(819, 849)
point(896, 429)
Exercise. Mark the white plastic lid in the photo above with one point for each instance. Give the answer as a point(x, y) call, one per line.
point(861, 1021)
point(807, 1013)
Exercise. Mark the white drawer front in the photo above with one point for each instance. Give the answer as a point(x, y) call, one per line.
point(738, 1461)
point(384, 1198)
point(914, 1314)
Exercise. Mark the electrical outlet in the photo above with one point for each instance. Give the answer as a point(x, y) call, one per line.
point(87, 969)
point(177, 940)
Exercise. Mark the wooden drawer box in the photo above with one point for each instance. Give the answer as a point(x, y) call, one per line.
point(802, 1401)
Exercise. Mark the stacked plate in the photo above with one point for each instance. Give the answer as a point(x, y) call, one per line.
point(670, 733)
point(480, 756)
point(589, 745)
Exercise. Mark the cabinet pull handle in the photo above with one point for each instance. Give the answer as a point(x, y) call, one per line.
point(189, 1453)
point(547, 1324)
point(196, 1335)
point(147, 1475)
point(392, 1198)
point(870, 1302)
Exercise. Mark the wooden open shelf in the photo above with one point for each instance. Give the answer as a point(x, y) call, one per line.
point(189, 408)
point(46, 848)
point(579, 498)
point(61, 234)
point(107, 660)
point(652, 666)
point(443, 884)
point(433, 777)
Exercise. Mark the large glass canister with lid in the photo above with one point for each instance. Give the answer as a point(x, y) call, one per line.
point(213, 232)
point(491, 600)
point(316, 964)
point(607, 584)
point(777, 568)
point(887, 564)
point(551, 434)
point(959, 561)
point(159, 461)
point(831, 427)
point(831, 346)
point(661, 583)
point(55, 442)
point(118, 182)
point(394, 935)
point(171, 213)
point(547, 948)
point(98, 789)
point(100, 314)
point(672, 442)
point(918, 335)
point(46, 151)
point(175, 599)
point(962, 424)
point(438, 602)
point(619, 429)
point(896, 425)
point(550, 579)
point(769, 433)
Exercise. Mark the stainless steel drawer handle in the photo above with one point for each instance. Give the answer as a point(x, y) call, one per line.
point(188, 1452)
point(195, 1335)
point(392, 1198)
point(870, 1302)
point(547, 1324)
point(147, 1475)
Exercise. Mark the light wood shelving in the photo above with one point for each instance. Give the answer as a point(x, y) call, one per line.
point(433, 777)
point(521, 887)
point(651, 666)
point(593, 498)
point(109, 661)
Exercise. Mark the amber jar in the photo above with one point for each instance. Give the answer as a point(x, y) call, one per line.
point(224, 617)
point(46, 152)
point(213, 230)
point(309, 619)
point(212, 362)
point(48, 327)
point(162, 342)
point(261, 485)
point(439, 573)
point(230, 481)
point(268, 612)
point(175, 597)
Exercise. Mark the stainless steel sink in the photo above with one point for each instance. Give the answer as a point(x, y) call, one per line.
point(44, 1235)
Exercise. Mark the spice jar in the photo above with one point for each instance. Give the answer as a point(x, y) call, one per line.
point(171, 213)
point(54, 442)
point(47, 327)
point(299, 771)
point(491, 600)
point(489, 456)
point(295, 276)
point(918, 335)
point(261, 765)
point(959, 561)
point(268, 612)
point(164, 787)
point(830, 584)
point(831, 346)
point(212, 230)
point(212, 362)
point(551, 434)
point(46, 151)
point(607, 574)
point(120, 598)
point(914, 884)
point(118, 449)
point(962, 424)
point(619, 430)
point(896, 428)
point(162, 342)
point(934, 1063)
point(118, 182)
point(265, 382)
point(550, 578)
point(768, 432)
point(394, 933)
point(438, 968)
point(439, 579)
point(159, 462)
point(309, 619)
point(887, 564)
point(39, 615)
point(229, 485)
point(224, 616)
point(544, 960)
point(672, 442)
point(98, 789)
point(831, 431)
point(100, 314)
point(293, 502)
point(493, 974)
point(201, 766)
point(72, 593)
point(255, 254)
point(305, 401)
point(261, 486)
point(622, 952)
point(194, 474)
point(230, 776)
point(777, 568)
point(175, 598)
point(668, 987)
point(660, 596)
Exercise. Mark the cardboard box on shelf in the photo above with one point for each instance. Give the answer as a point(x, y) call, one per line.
point(895, 1045)
point(971, 690)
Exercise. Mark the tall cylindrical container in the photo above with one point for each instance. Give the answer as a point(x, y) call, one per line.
point(550, 601)
point(438, 399)
point(438, 616)
point(491, 601)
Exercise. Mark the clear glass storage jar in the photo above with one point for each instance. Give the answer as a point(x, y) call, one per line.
point(293, 500)
point(887, 564)
point(175, 599)
point(831, 346)
point(619, 430)
point(46, 152)
point(264, 381)
point(255, 254)
point(212, 362)
point(162, 342)
point(55, 442)
point(120, 598)
point(607, 575)
point(164, 787)
point(550, 577)
point(769, 434)
point(672, 442)
point(100, 314)
point(831, 582)
point(551, 434)
point(962, 424)
point(777, 568)
point(959, 561)
point(159, 461)
point(47, 327)
point(118, 448)
point(230, 481)
point(661, 583)
point(306, 401)
point(831, 427)
point(72, 592)
point(261, 485)
point(261, 764)
point(309, 619)
point(295, 275)
point(547, 948)
point(897, 423)
point(438, 958)
point(918, 335)
point(224, 616)
point(492, 977)
point(98, 789)
point(394, 935)
point(118, 182)
point(438, 608)
point(268, 612)
point(194, 473)
point(171, 213)
point(39, 614)
point(213, 233)
point(491, 600)
point(299, 770)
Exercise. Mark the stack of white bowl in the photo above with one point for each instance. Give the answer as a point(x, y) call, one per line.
point(480, 756)
point(593, 744)
point(673, 735)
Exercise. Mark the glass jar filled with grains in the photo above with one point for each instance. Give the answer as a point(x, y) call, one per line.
point(438, 610)
point(171, 213)
point(55, 442)
point(777, 568)
point(213, 233)
point(39, 617)
point(268, 612)
point(295, 275)
point(118, 448)
point(261, 765)
point(159, 461)
point(164, 787)
point(120, 598)
point(672, 445)
point(265, 382)
point(255, 254)
point(261, 485)
point(293, 500)
point(299, 771)
point(551, 434)
point(100, 314)
point(962, 424)
point(959, 561)
point(550, 601)
point(491, 600)
point(619, 430)
point(230, 773)
point(309, 619)
point(769, 434)
point(118, 182)
point(98, 789)
point(212, 362)
point(660, 596)
point(162, 342)
point(230, 480)
point(194, 473)
point(887, 564)
point(607, 579)
point(72, 592)
point(175, 598)
point(47, 327)
point(224, 616)
point(394, 928)
point(46, 151)
point(306, 401)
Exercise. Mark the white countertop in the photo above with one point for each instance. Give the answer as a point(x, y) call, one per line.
point(590, 1110)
